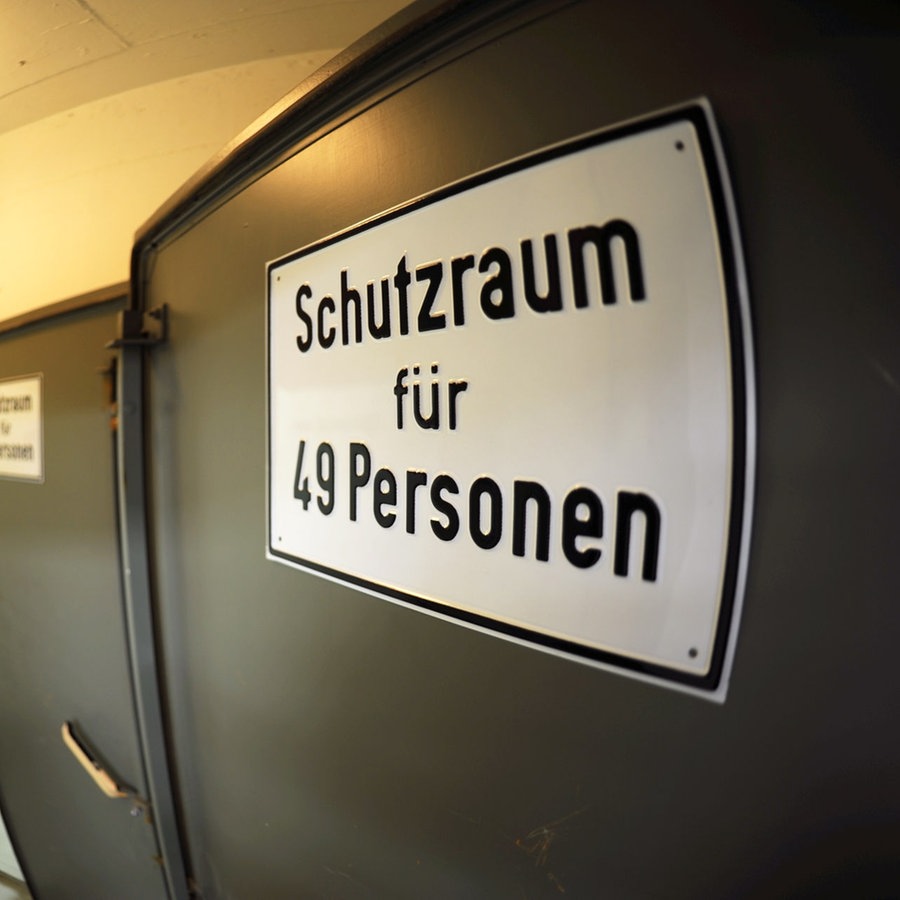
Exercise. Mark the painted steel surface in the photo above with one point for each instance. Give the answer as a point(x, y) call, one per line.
point(327, 745)
point(63, 655)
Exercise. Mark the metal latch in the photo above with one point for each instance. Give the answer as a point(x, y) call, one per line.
point(142, 329)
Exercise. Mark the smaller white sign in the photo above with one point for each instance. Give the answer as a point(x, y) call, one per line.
point(21, 428)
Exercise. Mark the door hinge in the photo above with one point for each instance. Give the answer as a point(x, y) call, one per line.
point(142, 329)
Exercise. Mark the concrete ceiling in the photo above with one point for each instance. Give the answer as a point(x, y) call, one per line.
point(56, 54)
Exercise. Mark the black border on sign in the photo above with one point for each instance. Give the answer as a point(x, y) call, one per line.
point(696, 115)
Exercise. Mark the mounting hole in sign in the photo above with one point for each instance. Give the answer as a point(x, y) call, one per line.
point(692, 653)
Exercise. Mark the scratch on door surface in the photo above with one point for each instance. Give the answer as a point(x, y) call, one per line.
point(538, 841)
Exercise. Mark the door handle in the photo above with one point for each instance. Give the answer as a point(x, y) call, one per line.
point(91, 764)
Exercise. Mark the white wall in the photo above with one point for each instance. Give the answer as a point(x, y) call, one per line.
point(9, 865)
point(75, 186)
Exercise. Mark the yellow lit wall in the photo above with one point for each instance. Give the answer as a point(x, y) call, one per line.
point(76, 185)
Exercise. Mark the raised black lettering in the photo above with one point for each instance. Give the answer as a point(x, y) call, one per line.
point(497, 300)
point(325, 477)
point(15, 404)
point(400, 391)
point(433, 419)
point(301, 488)
point(448, 530)
point(433, 273)
point(523, 492)
point(383, 329)
point(551, 300)
point(601, 238)
point(325, 340)
point(358, 478)
point(627, 504)
point(574, 526)
point(455, 388)
point(304, 292)
point(350, 296)
point(414, 480)
point(402, 280)
point(384, 493)
point(459, 265)
point(481, 487)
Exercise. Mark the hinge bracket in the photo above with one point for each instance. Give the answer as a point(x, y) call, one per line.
point(142, 329)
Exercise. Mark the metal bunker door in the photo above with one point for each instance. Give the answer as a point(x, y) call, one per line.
point(65, 677)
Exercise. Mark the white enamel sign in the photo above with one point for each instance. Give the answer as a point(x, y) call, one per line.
point(523, 403)
point(21, 429)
